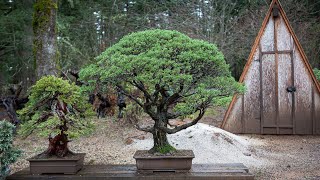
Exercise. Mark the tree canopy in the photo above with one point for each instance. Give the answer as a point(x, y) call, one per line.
point(86, 28)
point(42, 116)
point(175, 75)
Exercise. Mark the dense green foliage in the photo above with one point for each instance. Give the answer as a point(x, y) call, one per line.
point(317, 73)
point(41, 115)
point(87, 28)
point(167, 74)
point(193, 68)
point(8, 154)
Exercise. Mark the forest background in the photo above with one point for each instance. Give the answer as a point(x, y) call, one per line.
point(85, 28)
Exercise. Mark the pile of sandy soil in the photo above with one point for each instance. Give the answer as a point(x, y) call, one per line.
point(268, 157)
point(210, 145)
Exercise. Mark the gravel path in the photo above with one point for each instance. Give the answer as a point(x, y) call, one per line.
point(268, 157)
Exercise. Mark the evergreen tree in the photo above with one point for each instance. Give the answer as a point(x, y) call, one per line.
point(176, 76)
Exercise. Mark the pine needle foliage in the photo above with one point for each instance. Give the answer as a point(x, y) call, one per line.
point(42, 117)
point(175, 76)
point(8, 154)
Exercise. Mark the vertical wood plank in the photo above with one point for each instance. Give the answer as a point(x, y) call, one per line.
point(276, 25)
point(252, 96)
point(303, 96)
point(233, 123)
point(317, 111)
point(267, 39)
point(312, 111)
point(261, 94)
point(293, 94)
point(285, 97)
point(268, 90)
point(285, 40)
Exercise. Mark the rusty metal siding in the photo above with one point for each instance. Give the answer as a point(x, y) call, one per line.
point(252, 97)
point(234, 120)
point(303, 96)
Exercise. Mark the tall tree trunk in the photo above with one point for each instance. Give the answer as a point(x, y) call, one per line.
point(45, 47)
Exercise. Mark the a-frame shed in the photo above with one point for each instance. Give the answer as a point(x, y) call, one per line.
point(282, 94)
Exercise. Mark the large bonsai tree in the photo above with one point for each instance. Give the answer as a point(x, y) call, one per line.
point(176, 76)
point(56, 109)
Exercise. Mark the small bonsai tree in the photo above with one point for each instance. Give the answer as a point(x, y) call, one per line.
point(56, 109)
point(176, 76)
point(8, 154)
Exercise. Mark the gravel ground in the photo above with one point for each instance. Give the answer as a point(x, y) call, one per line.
point(268, 157)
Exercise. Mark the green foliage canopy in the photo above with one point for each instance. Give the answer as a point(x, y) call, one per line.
point(8, 154)
point(41, 116)
point(317, 73)
point(168, 68)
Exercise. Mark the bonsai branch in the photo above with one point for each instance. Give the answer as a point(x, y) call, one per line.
point(141, 87)
point(184, 126)
point(146, 129)
point(126, 93)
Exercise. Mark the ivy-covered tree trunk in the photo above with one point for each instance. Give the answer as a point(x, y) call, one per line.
point(45, 47)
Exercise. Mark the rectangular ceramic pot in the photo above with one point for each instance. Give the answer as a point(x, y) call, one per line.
point(63, 165)
point(147, 162)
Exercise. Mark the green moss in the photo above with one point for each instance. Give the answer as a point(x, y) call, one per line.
point(40, 22)
point(37, 46)
point(42, 12)
point(166, 149)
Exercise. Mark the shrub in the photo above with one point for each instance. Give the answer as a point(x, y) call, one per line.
point(56, 109)
point(8, 154)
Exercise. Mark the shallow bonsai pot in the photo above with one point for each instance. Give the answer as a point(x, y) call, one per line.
point(66, 165)
point(179, 162)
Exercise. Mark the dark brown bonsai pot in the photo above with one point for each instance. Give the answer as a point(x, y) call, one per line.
point(66, 165)
point(180, 161)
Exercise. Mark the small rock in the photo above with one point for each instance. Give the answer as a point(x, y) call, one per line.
point(288, 166)
point(247, 154)
point(141, 137)
point(129, 141)
point(190, 137)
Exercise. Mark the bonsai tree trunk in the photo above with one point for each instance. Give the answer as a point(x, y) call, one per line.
point(58, 146)
point(160, 140)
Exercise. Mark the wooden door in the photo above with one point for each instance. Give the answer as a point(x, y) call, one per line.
point(277, 93)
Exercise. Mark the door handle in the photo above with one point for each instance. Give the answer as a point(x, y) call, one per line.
point(291, 89)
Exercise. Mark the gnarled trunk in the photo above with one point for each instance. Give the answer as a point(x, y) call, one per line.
point(160, 140)
point(58, 146)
